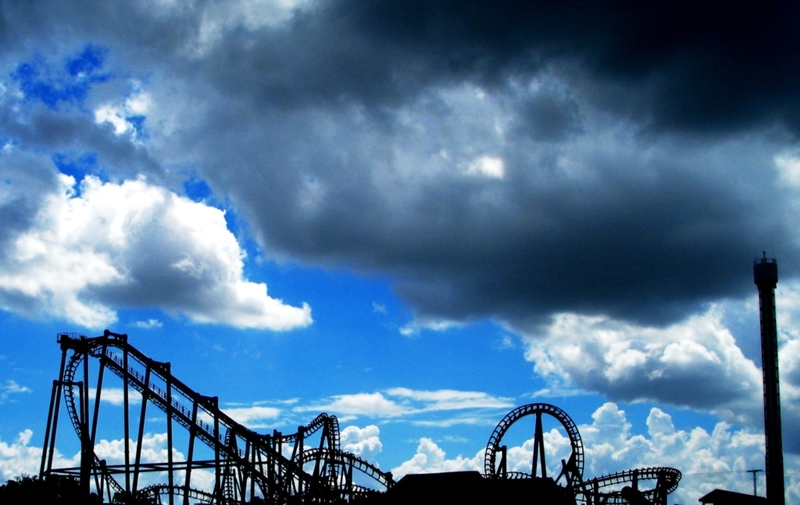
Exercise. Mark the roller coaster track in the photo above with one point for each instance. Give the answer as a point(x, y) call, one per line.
point(572, 468)
point(346, 462)
point(154, 493)
point(666, 479)
point(306, 467)
point(603, 490)
point(242, 456)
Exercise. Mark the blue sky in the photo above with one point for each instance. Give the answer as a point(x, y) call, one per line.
point(413, 218)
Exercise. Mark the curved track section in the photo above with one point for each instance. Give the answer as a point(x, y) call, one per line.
point(347, 462)
point(329, 425)
point(68, 377)
point(243, 456)
point(597, 490)
point(574, 466)
point(153, 494)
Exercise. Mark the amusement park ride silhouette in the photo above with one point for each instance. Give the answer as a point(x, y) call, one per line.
point(211, 458)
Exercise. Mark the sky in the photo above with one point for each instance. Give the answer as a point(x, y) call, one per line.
point(415, 216)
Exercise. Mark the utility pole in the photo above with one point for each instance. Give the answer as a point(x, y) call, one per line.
point(754, 472)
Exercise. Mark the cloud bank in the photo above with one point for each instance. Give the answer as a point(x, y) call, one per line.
point(94, 246)
point(718, 459)
point(510, 162)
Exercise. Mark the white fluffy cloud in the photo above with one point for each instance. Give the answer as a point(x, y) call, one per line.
point(115, 396)
point(718, 459)
point(20, 458)
point(694, 363)
point(363, 442)
point(154, 449)
point(253, 417)
point(97, 246)
point(349, 407)
point(430, 458)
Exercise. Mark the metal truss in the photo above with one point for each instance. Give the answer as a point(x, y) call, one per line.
point(299, 468)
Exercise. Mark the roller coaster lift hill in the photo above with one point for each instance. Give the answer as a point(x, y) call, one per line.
point(210, 458)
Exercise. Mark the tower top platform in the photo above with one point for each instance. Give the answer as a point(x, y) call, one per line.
point(765, 270)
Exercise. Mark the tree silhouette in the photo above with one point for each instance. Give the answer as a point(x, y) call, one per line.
point(52, 489)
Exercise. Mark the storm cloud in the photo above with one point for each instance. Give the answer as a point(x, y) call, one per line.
point(523, 162)
point(634, 146)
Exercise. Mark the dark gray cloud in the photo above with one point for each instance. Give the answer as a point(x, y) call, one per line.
point(639, 229)
point(636, 143)
point(25, 181)
point(676, 65)
point(53, 131)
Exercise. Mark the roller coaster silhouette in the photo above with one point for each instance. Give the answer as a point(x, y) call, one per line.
point(226, 463)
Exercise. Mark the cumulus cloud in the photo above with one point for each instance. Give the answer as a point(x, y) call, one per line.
point(97, 246)
point(588, 219)
point(725, 452)
point(487, 166)
point(363, 442)
point(20, 458)
point(694, 363)
point(602, 223)
point(789, 358)
point(430, 458)
point(154, 449)
point(27, 181)
point(707, 460)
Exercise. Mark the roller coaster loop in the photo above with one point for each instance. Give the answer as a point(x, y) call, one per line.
point(618, 488)
point(572, 469)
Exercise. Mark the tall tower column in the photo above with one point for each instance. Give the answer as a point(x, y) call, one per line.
point(765, 276)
